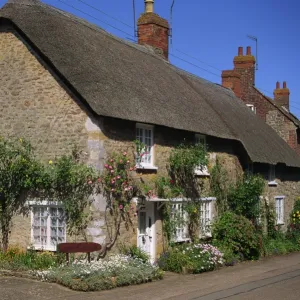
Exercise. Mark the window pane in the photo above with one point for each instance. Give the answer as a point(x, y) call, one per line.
point(142, 221)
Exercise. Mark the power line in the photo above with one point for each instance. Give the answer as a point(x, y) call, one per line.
point(190, 63)
point(94, 17)
point(190, 56)
point(104, 13)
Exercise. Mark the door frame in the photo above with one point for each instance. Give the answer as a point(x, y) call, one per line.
point(150, 212)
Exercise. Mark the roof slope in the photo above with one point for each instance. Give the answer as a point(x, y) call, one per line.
point(123, 80)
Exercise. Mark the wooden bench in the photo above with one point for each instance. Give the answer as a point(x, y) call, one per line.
point(78, 248)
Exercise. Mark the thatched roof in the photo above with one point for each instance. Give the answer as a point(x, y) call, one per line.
point(123, 80)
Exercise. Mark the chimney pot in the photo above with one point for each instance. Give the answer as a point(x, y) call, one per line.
point(284, 84)
point(240, 52)
point(277, 85)
point(248, 50)
point(149, 6)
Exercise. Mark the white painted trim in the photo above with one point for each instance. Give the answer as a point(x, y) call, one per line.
point(272, 183)
point(143, 166)
point(280, 221)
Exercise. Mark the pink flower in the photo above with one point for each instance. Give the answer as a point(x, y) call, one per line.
point(111, 160)
point(112, 171)
point(99, 179)
point(90, 182)
point(125, 153)
point(112, 181)
point(112, 190)
point(121, 206)
point(118, 177)
point(121, 161)
point(135, 214)
point(128, 161)
point(131, 169)
point(126, 189)
point(110, 167)
point(106, 166)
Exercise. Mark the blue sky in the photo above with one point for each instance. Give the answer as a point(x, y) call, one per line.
point(211, 32)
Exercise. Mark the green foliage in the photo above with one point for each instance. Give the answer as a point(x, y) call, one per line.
point(101, 275)
point(220, 184)
point(243, 198)
point(280, 244)
point(295, 214)
point(135, 252)
point(18, 260)
point(237, 233)
point(72, 183)
point(185, 158)
point(23, 176)
point(20, 177)
point(192, 258)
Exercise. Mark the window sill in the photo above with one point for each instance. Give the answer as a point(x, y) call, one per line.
point(181, 240)
point(272, 183)
point(146, 167)
point(202, 171)
point(280, 223)
point(39, 248)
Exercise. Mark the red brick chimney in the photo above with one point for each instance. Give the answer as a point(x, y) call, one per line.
point(282, 95)
point(232, 80)
point(245, 66)
point(153, 30)
point(242, 77)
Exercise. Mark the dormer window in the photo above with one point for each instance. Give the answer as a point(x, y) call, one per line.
point(201, 170)
point(272, 176)
point(251, 107)
point(144, 134)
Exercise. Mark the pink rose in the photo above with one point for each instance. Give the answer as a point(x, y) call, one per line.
point(121, 206)
point(131, 169)
point(121, 161)
point(128, 161)
point(106, 166)
point(112, 171)
point(111, 160)
point(118, 177)
point(125, 153)
point(110, 167)
point(90, 182)
point(135, 214)
point(112, 190)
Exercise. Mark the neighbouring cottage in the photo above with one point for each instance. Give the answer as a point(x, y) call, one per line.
point(275, 113)
point(65, 81)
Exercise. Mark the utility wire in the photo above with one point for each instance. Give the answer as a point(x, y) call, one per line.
point(190, 63)
point(95, 18)
point(190, 56)
point(104, 13)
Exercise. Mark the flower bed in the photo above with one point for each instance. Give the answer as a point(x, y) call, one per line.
point(115, 271)
point(191, 258)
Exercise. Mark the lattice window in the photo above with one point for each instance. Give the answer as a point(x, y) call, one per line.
point(179, 217)
point(201, 170)
point(205, 217)
point(48, 226)
point(144, 134)
point(279, 207)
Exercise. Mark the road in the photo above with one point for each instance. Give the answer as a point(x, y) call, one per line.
point(273, 278)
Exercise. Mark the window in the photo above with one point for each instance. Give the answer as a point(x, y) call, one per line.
point(179, 216)
point(272, 176)
point(251, 107)
point(205, 217)
point(279, 207)
point(48, 225)
point(201, 170)
point(144, 134)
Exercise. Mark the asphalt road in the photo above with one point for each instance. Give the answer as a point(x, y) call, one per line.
point(274, 278)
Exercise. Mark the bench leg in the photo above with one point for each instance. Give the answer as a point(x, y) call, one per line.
point(67, 258)
point(89, 257)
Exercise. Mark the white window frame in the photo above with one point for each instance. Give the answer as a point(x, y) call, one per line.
point(279, 208)
point(143, 165)
point(48, 205)
point(205, 225)
point(252, 107)
point(201, 170)
point(272, 176)
point(181, 231)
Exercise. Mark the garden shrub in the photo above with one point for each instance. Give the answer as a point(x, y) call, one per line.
point(193, 258)
point(117, 270)
point(238, 234)
point(135, 252)
point(20, 260)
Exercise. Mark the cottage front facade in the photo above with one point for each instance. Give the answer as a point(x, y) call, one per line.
point(66, 82)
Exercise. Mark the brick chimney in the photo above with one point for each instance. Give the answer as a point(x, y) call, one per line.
point(245, 66)
point(232, 80)
point(153, 30)
point(282, 95)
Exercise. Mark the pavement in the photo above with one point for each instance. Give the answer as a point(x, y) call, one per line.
point(273, 278)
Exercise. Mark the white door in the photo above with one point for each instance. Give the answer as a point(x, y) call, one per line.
point(146, 229)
